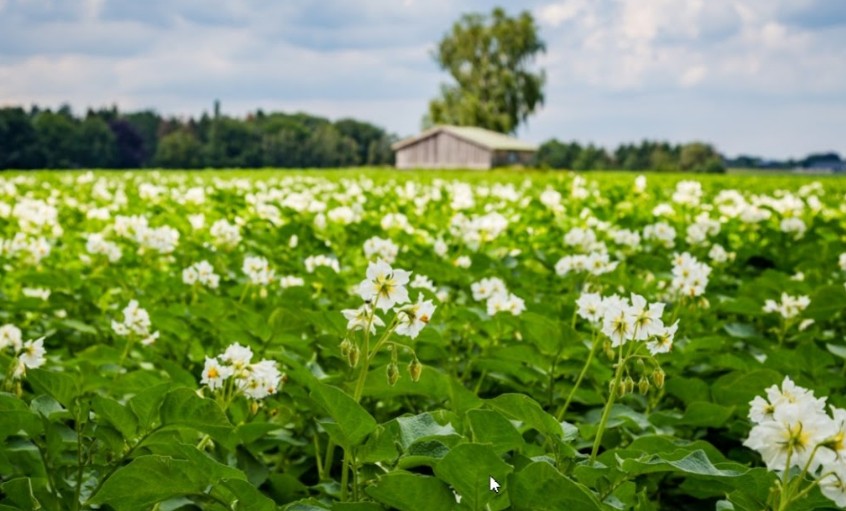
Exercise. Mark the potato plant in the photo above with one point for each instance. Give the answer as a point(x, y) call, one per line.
point(372, 341)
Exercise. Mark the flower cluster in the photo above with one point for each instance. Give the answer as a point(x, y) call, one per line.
point(690, 277)
point(136, 323)
point(225, 235)
point(25, 355)
point(313, 262)
point(157, 239)
point(789, 307)
point(624, 320)
point(234, 372)
point(498, 299)
point(385, 288)
point(96, 244)
point(661, 233)
point(380, 248)
point(203, 273)
point(792, 430)
point(258, 270)
point(595, 263)
point(287, 281)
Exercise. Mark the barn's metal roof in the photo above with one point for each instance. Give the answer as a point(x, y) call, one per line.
point(479, 136)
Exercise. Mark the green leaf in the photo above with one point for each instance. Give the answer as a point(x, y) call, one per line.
point(150, 479)
point(688, 389)
point(699, 413)
point(412, 492)
point(62, 387)
point(468, 468)
point(306, 505)
point(527, 410)
point(739, 387)
point(545, 333)
point(740, 330)
point(650, 444)
point(826, 302)
point(145, 405)
point(417, 427)
point(16, 417)
point(79, 326)
point(19, 492)
point(247, 497)
point(184, 408)
point(490, 427)
point(682, 461)
point(836, 350)
point(352, 423)
point(117, 415)
point(540, 487)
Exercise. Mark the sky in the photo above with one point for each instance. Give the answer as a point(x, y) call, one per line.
point(761, 77)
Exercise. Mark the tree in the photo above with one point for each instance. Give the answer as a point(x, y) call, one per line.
point(699, 157)
point(56, 134)
point(19, 147)
point(131, 153)
point(490, 59)
point(179, 150)
point(96, 146)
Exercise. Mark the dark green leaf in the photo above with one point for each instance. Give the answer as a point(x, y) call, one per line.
point(412, 492)
point(468, 468)
point(540, 487)
point(352, 423)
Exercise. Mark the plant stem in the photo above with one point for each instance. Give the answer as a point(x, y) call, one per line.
point(244, 293)
point(618, 377)
point(321, 476)
point(79, 464)
point(563, 410)
point(345, 475)
point(784, 498)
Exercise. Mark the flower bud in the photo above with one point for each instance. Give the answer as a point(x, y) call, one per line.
point(393, 374)
point(609, 350)
point(640, 364)
point(346, 346)
point(621, 389)
point(353, 356)
point(643, 385)
point(630, 384)
point(658, 378)
point(414, 369)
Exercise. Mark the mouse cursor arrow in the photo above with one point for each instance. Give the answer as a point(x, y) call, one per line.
point(494, 485)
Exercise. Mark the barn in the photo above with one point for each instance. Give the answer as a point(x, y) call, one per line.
point(462, 147)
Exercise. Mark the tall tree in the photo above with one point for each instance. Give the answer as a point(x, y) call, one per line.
point(490, 58)
point(19, 143)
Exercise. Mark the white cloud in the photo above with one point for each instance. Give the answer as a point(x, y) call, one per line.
point(617, 70)
point(693, 75)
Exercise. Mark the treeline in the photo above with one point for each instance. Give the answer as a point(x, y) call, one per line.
point(107, 138)
point(648, 155)
point(821, 161)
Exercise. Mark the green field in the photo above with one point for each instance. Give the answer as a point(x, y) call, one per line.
point(370, 340)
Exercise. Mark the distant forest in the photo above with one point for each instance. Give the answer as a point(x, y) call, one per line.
point(107, 138)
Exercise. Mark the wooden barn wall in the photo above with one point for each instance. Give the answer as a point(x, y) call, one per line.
point(443, 150)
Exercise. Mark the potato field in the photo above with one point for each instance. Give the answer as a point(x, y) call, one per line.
point(365, 341)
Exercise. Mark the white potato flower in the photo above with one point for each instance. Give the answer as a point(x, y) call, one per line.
point(412, 318)
point(384, 286)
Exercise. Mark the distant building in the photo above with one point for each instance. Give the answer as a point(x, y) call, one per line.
point(461, 147)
